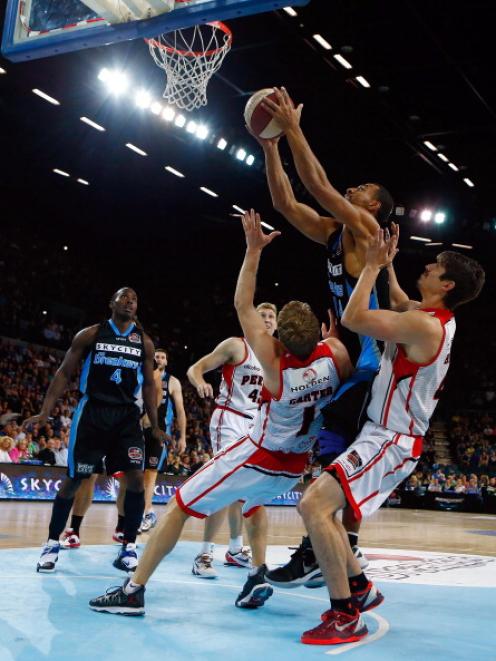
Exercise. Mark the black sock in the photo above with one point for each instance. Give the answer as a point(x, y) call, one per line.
point(76, 523)
point(60, 513)
point(353, 539)
point(358, 583)
point(343, 606)
point(120, 523)
point(134, 506)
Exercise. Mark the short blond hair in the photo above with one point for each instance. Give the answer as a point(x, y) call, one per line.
point(298, 328)
point(267, 306)
point(9, 439)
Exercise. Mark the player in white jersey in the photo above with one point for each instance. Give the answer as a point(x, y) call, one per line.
point(300, 373)
point(232, 418)
point(404, 395)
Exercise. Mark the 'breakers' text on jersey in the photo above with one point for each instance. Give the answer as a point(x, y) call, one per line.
point(241, 385)
point(405, 394)
point(113, 369)
point(291, 421)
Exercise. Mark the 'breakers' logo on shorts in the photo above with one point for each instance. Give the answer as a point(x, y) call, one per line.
point(135, 454)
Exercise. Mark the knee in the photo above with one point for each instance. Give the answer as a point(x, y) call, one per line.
point(69, 488)
point(322, 498)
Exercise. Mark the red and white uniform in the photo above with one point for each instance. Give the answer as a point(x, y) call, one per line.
point(404, 396)
point(271, 459)
point(238, 400)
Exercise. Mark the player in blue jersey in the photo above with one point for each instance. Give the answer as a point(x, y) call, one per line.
point(353, 219)
point(118, 363)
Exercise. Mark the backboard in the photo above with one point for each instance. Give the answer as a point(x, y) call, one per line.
point(41, 28)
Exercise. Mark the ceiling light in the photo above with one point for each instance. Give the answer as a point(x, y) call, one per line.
point(136, 149)
point(276, 284)
point(250, 159)
point(420, 238)
point(156, 108)
point(453, 167)
point(92, 124)
point(469, 182)
point(61, 172)
point(174, 171)
point(241, 154)
point(426, 215)
point(65, 248)
point(443, 158)
point(235, 206)
point(168, 114)
point(399, 211)
point(266, 225)
point(222, 144)
point(363, 81)
point(44, 312)
point(320, 40)
point(462, 245)
point(439, 217)
point(83, 181)
point(143, 99)
point(290, 11)
point(50, 99)
point(208, 191)
point(2, 70)
point(180, 121)
point(191, 127)
point(116, 81)
point(343, 61)
point(434, 243)
point(202, 132)
point(429, 145)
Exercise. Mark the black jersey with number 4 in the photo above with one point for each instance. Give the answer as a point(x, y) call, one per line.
point(113, 368)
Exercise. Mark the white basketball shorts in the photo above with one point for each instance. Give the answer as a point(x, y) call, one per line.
point(227, 426)
point(373, 465)
point(243, 471)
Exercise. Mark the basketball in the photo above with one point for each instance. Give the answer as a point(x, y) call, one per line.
point(260, 122)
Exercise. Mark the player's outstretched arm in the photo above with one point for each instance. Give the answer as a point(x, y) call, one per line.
point(81, 342)
point(399, 301)
point(263, 345)
point(176, 392)
point(229, 351)
point(305, 219)
point(149, 389)
point(312, 174)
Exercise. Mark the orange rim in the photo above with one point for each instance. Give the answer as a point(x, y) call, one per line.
point(186, 53)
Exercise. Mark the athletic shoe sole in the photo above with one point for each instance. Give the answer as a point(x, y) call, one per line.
point(45, 570)
point(198, 575)
point(336, 640)
point(69, 546)
point(118, 610)
point(257, 597)
point(297, 582)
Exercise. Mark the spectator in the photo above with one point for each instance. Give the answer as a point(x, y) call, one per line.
point(47, 454)
point(6, 445)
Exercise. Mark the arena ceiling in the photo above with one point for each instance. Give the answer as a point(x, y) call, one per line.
point(430, 69)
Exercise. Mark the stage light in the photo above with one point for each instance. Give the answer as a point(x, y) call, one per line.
point(168, 114)
point(241, 154)
point(469, 182)
point(222, 144)
point(250, 159)
point(439, 217)
point(156, 108)
point(116, 81)
point(191, 127)
point(363, 81)
point(180, 121)
point(143, 99)
point(343, 61)
point(425, 215)
point(290, 11)
point(323, 42)
point(429, 145)
point(202, 132)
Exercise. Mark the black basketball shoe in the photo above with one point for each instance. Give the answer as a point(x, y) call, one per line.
point(302, 569)
point(255, 591)
point(116, 601)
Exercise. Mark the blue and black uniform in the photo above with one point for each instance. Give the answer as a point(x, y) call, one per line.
point(343, 417)
point(155, 451)
point(106, 423)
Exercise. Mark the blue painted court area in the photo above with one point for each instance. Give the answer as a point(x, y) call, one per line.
point(47, 617)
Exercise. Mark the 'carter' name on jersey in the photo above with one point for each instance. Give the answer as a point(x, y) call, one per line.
point(311, 384)
point(312, 396)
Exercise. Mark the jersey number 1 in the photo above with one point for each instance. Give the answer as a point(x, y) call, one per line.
point(116, 376)
point(308, 416)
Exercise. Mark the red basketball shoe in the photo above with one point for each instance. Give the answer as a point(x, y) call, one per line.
point(338, 628)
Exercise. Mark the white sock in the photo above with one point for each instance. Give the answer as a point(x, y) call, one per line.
point(207, 547)
point(131, 587)
point(51, 542)
point(236, 544)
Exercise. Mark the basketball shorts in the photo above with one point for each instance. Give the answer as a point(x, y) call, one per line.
point(155, 452)
point(242, 471)
point(227, 426)
point(344, 416)
point(374, 465)
point(98, 432)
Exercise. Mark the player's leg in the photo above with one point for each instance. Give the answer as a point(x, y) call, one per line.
point(319, 507)
point(82, 501)
point(118, 535)
point(237, 554)
point(155, 462)
point(203, 562)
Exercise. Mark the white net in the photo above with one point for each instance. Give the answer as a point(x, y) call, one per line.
point(190, 57)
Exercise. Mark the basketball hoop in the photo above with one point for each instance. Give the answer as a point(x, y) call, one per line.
point(190, 57)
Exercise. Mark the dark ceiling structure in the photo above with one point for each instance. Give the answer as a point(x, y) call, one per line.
point(430, 70)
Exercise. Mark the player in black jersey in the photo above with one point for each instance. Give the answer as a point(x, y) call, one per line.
point(118, 363)
point(355, 217)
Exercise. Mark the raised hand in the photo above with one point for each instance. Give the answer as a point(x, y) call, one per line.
point(255, 237)
point(381, 249)
point(283, 110)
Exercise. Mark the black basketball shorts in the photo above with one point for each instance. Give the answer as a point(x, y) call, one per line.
point(100, 431)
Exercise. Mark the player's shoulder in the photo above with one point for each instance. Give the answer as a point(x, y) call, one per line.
point(86, 335)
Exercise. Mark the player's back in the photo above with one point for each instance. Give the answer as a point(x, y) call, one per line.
point(290, 421)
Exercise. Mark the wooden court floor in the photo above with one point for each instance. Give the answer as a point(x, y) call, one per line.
point(25, 524)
